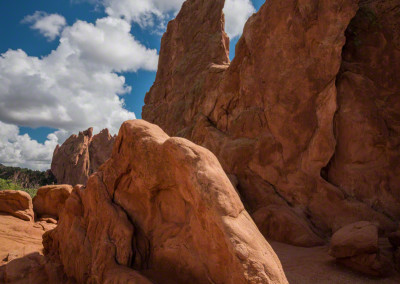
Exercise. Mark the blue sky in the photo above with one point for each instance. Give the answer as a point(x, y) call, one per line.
point(39, 107)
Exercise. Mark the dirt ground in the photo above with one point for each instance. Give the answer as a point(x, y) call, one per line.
point(315, 266)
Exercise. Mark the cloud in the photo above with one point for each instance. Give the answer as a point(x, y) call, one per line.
point(75, 87)
point(236, 14)
point(146, 13)
point(22, 151)
point(79, 84)
point(49, 26)
point(155, 13)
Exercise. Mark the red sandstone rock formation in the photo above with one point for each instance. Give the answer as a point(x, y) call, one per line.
point(160, 209)
point(269, 116)
point(17, 203)
point(80, 156)
point(50, 200)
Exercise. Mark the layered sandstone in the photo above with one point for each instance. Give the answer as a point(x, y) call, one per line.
point(160, 209)
point(80, 156)
point(272, 115)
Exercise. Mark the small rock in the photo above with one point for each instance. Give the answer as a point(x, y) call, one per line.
point(354, 239)
point(51, 199)
point(17, 203)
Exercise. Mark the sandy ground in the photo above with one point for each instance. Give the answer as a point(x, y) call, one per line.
point(21, 257)
point(18, 238)
point(23, 240)
point(315, 266)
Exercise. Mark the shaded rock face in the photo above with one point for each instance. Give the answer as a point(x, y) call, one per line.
point(17, 203)
point(270, 116)
point(163, 210)
point(80, 156)
point(50, 200)
point(366, 161)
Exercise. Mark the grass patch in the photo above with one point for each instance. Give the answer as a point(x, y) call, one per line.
point(9, 185)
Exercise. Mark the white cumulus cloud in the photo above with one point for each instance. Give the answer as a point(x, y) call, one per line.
point(155, 13)
point(236, 14)
point(75, 87)
point(146, 13)
point(79, 85)
point(49, 25)
point(22, 151)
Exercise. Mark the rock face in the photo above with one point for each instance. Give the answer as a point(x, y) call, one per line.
point(80, 156)
point(300, 122)
point(356, 246)
point(367, 125)
point(50, 199)
point(17, 203)
point(163, 210)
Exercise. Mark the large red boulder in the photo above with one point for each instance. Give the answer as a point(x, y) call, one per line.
point(160, 208)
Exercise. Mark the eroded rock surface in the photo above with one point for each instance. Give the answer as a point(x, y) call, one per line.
point(161, 209)
point(80, 156)
point(17, 203)
point(269, 115)
point(50, 200)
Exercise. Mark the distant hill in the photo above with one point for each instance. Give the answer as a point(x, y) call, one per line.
point(26, 178)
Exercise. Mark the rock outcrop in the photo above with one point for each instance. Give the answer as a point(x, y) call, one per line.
point(80, 156)
point(356, 246)
point(50, 200)
point(17, 203)
point(160, 209)
point(301, 120)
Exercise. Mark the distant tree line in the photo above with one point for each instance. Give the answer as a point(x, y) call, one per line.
point(26, 178)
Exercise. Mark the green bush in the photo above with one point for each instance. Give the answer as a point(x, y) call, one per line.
point(8, 185)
